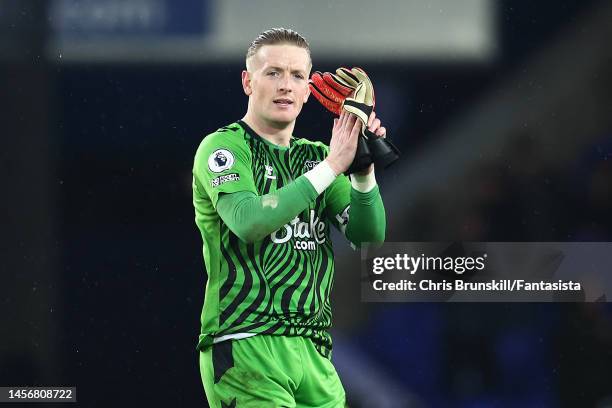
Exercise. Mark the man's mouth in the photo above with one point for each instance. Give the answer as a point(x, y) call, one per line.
point(283, 101)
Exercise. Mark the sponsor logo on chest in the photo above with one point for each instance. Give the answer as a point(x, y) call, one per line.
point(307, 234)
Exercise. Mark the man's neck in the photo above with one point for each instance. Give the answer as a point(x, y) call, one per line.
point(274, 135)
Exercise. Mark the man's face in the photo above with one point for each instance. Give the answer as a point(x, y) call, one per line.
point(277, 83)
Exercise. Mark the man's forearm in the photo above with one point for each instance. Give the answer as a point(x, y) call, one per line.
point(367, 220)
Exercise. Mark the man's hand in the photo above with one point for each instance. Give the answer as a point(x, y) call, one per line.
point(361, 103)
point(374, 126)
point(351, 90)
point(343, 144)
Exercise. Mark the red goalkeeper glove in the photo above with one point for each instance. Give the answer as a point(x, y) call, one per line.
point(352, 90)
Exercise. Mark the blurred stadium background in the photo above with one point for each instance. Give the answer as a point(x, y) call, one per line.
point(503, 110)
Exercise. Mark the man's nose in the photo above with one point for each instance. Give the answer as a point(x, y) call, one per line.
point(284, 84)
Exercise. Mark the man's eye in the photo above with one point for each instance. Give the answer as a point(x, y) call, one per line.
point(273, 73)
point(299, 76)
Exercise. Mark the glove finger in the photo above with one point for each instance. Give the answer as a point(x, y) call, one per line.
point(330, 105)
point(324, 88)
point(361, 75)
point(347, 76)
point(339, 80)
point(337, 84)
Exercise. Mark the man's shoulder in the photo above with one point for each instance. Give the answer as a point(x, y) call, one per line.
point(232, 133)
point(228, 141)
point(231, 136)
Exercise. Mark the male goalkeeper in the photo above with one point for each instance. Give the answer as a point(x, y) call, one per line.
point(264, 202)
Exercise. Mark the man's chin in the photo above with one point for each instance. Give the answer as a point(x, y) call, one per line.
point(282, 121)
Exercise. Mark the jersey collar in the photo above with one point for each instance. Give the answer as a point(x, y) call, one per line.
point(251, 132)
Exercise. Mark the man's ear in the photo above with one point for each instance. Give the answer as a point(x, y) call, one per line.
point(307, 95)
point(246, 83)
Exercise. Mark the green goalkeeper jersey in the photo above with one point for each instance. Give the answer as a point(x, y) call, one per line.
point(279, 285)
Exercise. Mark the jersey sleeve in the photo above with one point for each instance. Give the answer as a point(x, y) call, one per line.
point(337, 199)
point(222, 164)
point(359, 216)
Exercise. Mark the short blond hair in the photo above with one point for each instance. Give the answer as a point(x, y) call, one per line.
point(277, 36)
